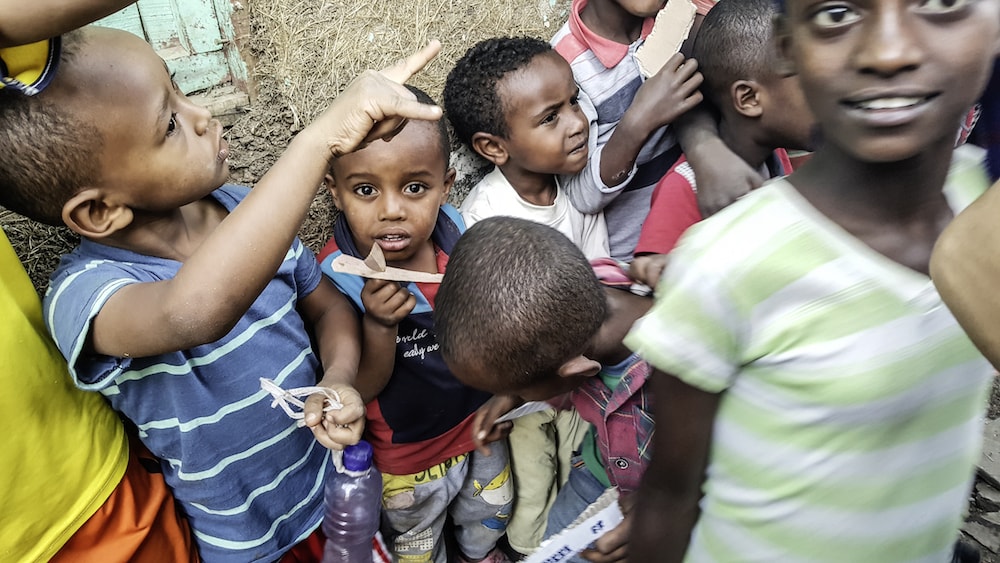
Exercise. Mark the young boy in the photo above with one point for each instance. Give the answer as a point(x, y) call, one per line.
point(514, 102)
point(822, 404)
point(118, 154)
point(762, 112)
point(631, 145)
point(511, 286)
point(419, 415)
point(76, 488)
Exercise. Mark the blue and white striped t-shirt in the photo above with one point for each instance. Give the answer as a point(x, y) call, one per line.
point(249, 480)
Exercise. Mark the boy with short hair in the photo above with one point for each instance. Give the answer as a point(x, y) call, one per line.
point(393, 194)
point(514, 102)
point(761, 113)
point(115, 151)
point(77, 489)
point(512, 285)
point(824, 405)
point(633, 139)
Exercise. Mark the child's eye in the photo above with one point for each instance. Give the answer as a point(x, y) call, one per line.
point(834, 16)
point(365, 190)
point(942, 6)
point(574, 101)
point(415, 189)
point(172, 124)
point(550, 118)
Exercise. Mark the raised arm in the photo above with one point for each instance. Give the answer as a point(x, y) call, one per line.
point(659, 101)
point(722, 175)
point(224, 275)
point(26, 22)
point(667, 506)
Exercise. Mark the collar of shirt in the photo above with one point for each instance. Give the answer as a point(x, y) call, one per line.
point(609, 52)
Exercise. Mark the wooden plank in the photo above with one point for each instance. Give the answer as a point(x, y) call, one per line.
point(160, 24)
point(200, 25)
point(198, 72)
point(126, 19)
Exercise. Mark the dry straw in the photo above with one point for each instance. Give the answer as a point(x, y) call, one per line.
point(304, 53)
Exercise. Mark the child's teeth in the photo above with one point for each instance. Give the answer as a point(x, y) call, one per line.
point(889, 103)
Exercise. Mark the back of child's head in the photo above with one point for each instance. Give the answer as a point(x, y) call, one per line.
point(734, 43)
point(471, 97)
point(518, 300)
point(47, 154)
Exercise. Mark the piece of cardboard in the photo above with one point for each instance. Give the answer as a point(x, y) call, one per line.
point(671, 28)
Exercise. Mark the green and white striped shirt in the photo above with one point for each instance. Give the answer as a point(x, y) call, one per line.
point(851, 413)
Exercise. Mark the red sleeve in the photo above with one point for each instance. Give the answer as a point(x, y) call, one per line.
point(329, 248)
point(673, 209)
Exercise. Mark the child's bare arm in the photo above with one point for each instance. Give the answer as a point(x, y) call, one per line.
point(660, 100)
point(722, 175)
point(966, 271)
point(225, 274)
point(386, 304)
point(26, 22)
point(338, 341)
point(667, 506)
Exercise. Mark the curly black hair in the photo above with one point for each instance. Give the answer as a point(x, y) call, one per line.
point(471, 101)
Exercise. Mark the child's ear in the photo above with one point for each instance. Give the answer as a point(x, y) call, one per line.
point(449, 181)
point(328, 184)
point(90, 214)
point(746, 96)
point(580, 366)
point(784, 64)
point(490, 147)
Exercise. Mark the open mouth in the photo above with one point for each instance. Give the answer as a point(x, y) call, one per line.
point(392, 242)
point(889, 103)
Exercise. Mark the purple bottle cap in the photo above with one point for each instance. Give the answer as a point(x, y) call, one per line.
point(358, 457)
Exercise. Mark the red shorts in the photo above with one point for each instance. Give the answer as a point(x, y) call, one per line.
point(138, 522)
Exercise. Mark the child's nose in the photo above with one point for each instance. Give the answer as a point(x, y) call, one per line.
point(888, 44)
point(392, 208)
point(200, 116)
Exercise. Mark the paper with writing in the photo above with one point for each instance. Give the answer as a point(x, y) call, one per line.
point(598, 519)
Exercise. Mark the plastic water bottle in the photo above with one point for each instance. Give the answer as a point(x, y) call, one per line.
point(353, 506)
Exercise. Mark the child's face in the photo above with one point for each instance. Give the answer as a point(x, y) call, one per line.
point(786, 114)
point(160, 150)
point(888, 79)
point(390, 192)
point(547, 129)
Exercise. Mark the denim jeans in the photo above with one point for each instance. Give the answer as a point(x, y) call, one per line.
point(579, 492)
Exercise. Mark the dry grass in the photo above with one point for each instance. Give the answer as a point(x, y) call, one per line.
point(306, 52)
point(314, 49)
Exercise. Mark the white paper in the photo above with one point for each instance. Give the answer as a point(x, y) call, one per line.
point(598, 519)
point(526, 408)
